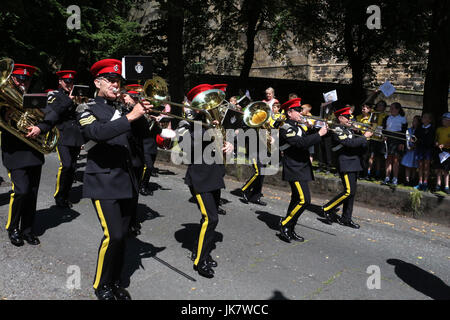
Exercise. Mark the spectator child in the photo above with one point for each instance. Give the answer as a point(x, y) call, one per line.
point(425, 141)
point(443, 145)
point(396, 122)
point(410, 160)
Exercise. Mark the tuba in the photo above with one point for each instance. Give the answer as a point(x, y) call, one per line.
point(257, 115)
point(19, 119)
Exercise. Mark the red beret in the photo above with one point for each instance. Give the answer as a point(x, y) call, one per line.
point(197, 90)
point(293, 103)
point(222, 87)
point(204, 87)
point(66, 74)
point(23, 69)
point(342, 112)
point(107, 66)
point(133, 88)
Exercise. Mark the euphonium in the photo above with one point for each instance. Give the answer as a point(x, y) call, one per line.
point(19, 119)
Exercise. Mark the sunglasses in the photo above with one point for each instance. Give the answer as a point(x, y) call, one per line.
point(68, 81)
point(111, 79)
point(22, 78)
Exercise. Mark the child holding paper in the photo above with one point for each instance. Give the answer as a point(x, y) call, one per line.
point(410, 160)
point(443, 145)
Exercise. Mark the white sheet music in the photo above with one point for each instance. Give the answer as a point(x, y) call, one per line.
point(387, 88)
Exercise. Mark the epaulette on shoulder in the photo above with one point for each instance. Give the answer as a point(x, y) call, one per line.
point(51, 96)
point(286, 126)
point(84, 106)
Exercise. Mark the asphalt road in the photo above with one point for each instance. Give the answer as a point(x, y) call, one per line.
point(412, 257)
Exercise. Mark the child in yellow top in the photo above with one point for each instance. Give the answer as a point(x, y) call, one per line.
point(443, 145)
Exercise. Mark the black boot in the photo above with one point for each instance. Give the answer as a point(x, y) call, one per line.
point(210, 261)
point(244, 196)
point(16, 238)
point(294, 235)
point(204, 269)
point(284, 232)
point(31, 239)
point(120, 292)
point(105, 292)
point(63, 203)
point(144, 187)
point(348, 223)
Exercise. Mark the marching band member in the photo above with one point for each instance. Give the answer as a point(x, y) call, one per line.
point(365, 117)
point(205, 181)
point(295, 139)
point(350, 149)
point(109, 178)
point(70, 138)
point(139, 130)
point(150, 152)
point(251, 191)
point(24, 165)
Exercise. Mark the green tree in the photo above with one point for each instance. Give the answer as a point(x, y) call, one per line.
point(37, 34)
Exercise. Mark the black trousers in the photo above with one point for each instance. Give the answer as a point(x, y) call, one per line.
point(23, 200)
point(253, 186)
point(208, 203)
point(114, 217)
point(138, 171)
point(149, 159)
point(300, 200)
point(325, 155)
point(67, 166)
point(347, 197)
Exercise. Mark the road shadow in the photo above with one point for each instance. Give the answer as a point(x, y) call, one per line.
point(318, 211)
point(188, 236)
point(5, 198)
point(145, 213)
point(236, 192)
point(421, 280)
point(155, 186)
point(165, 172)
point(278, 295)
point(271, 220)
point(51, 218)
point(135, 251)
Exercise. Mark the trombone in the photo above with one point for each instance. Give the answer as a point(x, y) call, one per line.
point(379, 133)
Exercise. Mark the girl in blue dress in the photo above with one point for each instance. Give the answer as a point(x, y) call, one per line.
point(410, 160)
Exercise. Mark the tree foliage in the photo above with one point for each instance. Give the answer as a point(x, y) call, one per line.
point(36, 33)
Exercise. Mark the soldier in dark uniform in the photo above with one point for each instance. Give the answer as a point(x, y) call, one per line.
point(24, 164)
point(252, 189)
point(70, 140)
point(139, 130)
point(205, 182)
point(350, 150)
point(295, 140)
point(150, 148)
point(109, 178)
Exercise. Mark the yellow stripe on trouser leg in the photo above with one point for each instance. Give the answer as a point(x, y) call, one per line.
point(11, 200)
point(343, 197)
point(300, 204)
point(249, 183)
point(203, 230)
point(59, 173)
point(104, 246)
point(143, 172)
